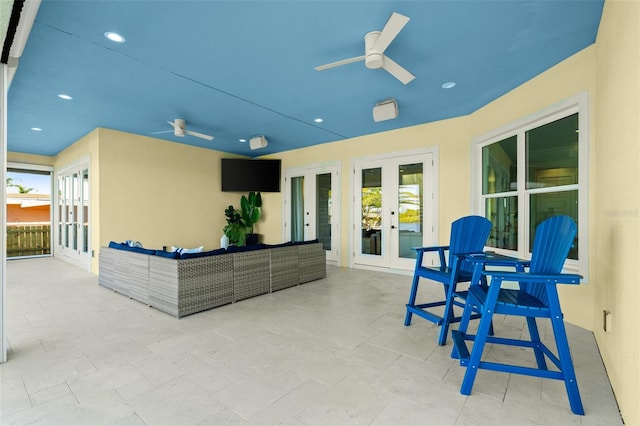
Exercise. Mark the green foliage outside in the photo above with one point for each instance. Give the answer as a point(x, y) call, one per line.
point(21, 189)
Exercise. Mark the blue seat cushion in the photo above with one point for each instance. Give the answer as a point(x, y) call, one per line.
point(203, 254)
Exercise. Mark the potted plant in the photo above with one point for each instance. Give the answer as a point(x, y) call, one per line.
point(251, 213)
point(236, 230)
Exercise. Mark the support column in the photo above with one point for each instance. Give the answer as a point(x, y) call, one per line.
point(4, 88)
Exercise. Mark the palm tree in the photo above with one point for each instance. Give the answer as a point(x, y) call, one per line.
point(21, 189)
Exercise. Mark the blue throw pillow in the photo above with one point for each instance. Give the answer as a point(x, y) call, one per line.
point(119, 246)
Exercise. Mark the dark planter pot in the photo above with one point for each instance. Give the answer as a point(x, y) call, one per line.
point(252, 239)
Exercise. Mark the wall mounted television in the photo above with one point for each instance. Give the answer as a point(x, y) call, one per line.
point(244, 175)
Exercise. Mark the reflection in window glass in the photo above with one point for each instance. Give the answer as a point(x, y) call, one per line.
point(499, 166)
point(410, 212)
point(503, 214)
point(552, 154)
point(371, 202)
point(297, 208)
point(323, 209)
point(545, 205)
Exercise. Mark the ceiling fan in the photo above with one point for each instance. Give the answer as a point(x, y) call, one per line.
point(180, 129)
point(375, 43)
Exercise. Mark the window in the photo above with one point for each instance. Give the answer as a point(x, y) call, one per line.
point(532, 170)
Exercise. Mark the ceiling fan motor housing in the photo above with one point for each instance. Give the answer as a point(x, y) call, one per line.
point(373, 58)
point(179, 128)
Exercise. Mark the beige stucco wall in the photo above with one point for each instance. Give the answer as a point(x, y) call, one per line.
point(567, 79)
point(617, 192)
point(451, 138)
point(160, 193)
point(19, 157)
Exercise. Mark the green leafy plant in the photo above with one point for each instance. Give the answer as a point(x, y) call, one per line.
point(251, 209)
point(236, 230)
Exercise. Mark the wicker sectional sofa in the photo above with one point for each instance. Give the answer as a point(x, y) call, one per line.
point(185, 285)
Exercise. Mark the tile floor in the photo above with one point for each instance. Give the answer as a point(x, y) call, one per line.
point(330, 352)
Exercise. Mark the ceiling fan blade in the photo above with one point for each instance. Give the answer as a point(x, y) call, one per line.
point(391, 29)
point(199, 135)
point(339, 63)
point(164, 131)
point(174, 125)
point(397, 71)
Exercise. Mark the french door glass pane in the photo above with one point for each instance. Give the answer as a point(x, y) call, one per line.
point(503, 214)
point(499, 166)
point(74, 218)
point(68, 195)
point(371, 197)
point(323, 209)
point(85, 210)
point(410, 209)
point(545, 205)
point(297, 208)
point(61, 214)
point(552, 154)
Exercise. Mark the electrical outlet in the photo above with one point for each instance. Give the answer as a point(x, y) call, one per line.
point(607, 321)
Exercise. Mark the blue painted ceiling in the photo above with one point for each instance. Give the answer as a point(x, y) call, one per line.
point(237, 69)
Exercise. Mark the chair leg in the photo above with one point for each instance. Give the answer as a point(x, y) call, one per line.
point(486, 319)
point(535, 338)
point(464, 322)
point(564, 353)
point(412, 299)
point(447, 316)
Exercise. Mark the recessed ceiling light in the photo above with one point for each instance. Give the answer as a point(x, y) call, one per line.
point(318, 120)
point(448, 85)
point(242, 140)
point(65, 97)
point(115, 37)
point(36, 129)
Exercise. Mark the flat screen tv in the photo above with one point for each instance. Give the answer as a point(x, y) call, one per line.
point(244, 175)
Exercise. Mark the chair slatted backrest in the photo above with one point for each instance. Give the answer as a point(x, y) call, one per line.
point(468, 235)
point(553, 240)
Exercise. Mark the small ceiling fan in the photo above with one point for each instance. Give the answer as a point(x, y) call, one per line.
point(375, 43)
point(180, 129)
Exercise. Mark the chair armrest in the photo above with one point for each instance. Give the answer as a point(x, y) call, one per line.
point(433, 248)
point(490, 258)
point(535, 278)
point(440, 249)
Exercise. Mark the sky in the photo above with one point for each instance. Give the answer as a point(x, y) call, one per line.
point(41, 184)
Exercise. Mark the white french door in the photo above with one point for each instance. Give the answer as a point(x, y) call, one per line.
point(394, 209)
point(72, 230)
point(310, 207)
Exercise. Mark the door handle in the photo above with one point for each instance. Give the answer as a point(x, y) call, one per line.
point(393, 227)
point(306, 224)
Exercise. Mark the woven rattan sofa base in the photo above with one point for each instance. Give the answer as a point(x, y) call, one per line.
point(181, 287)
point(185, 286)
point(313, 263)
point(250, 274)
point(284, 267)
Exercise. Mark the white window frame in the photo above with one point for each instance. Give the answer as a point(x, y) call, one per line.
point(576, 104)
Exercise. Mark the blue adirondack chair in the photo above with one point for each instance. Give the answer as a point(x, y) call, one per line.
point(536, 297)
point(468, 235)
